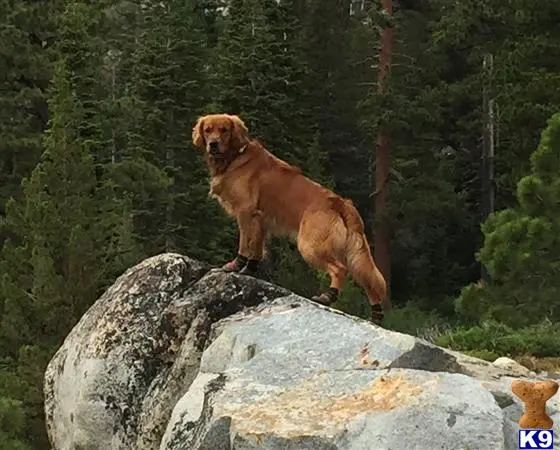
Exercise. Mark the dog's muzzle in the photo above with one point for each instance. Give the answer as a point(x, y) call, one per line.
point(214, 148)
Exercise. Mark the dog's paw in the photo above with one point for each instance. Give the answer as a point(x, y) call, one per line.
point(235, 265)
point(326, 298)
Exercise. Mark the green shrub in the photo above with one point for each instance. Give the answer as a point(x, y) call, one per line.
point(521, 252)
point(538, 340)
point(411, 319)
point(11, 424)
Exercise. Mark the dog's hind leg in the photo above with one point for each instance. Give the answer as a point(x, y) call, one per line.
point(316, 246)
point(337, 273)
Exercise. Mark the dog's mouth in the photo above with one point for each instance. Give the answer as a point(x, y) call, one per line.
point(214, 150)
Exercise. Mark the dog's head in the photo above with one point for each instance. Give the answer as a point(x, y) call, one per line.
point(218, 133)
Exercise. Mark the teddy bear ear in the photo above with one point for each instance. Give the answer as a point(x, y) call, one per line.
point(522, 388)
point(548, 388)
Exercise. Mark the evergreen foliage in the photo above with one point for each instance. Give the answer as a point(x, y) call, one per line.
point(522, 246)
point(68, 235)
point(26, 35)
point(97, 171)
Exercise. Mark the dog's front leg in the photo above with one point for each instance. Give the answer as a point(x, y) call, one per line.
point(251, 242)
point(251, 235)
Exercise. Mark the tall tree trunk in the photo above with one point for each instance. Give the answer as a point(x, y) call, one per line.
point(113, 98)
point(487, 166)
point(381, 228)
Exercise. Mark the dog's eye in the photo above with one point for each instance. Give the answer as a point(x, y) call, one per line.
point(223, 130)
point(207, 130)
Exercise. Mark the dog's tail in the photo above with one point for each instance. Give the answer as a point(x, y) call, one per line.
point(356, 252)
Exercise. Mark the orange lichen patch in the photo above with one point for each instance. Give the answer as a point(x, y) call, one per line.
point(305, 410)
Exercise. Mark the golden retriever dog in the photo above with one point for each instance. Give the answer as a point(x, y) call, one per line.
point(266, 196)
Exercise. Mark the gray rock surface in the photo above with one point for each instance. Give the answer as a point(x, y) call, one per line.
point(512, 367)
point(175, 356)
point(291, 374)
point(117, 376)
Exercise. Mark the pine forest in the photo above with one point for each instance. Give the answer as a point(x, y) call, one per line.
point(440, 119)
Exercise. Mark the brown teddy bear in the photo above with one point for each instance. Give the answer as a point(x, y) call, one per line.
point(534, 397)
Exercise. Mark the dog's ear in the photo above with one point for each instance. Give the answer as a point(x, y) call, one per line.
point(239, 133)
point(198, 133)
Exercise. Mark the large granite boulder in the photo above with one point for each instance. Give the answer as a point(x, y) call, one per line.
point(115, 380)
point(176, 356)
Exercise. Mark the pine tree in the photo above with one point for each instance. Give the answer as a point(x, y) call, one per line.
point(26, 36)
point(263, 75)
point(70, 240)
point(69, 236)
point(525, 85)
point(432, 227)
point(168, 91)
point(522, 247)
point(332, 91)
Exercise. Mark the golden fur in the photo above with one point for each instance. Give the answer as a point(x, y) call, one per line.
point(268, 196)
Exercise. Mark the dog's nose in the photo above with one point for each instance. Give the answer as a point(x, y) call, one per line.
point(214, 146)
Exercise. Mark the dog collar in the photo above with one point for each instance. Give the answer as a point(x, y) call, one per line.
point(222, 162)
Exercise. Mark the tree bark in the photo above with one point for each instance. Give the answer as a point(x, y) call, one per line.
point(382, 236)
point(487, 166)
